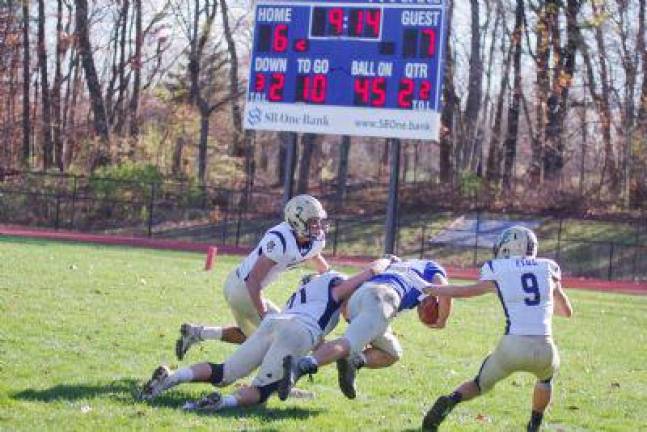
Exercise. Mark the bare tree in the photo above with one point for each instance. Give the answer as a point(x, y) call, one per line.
point(449, 106)
point(26, 77)
point(92, 81)
point(46, 107)
point(137, 66)
point(308, 142)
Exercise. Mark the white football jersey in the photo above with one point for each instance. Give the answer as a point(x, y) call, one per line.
point(525, 288)
point(314, 305)
point(409, 278)
point(280, 245)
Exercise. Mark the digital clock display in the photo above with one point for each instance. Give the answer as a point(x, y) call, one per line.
point(347, 67)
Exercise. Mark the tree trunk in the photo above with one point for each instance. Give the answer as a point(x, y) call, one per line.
point(202, 147)
point(238, 145)
point(26, 76)
point(120, 113)
point(44, 83)
point(137, 68)
point(308, 142)
point(449, 100)
point(510, 145)
point(56, 90)
point(94, 87)
point(475, 94)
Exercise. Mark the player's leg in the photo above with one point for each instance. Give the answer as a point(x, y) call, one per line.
point(370, 309)
point(545, 366)
point(494, 368)
point(191, 334)
point(163, 378)
point(383, 351)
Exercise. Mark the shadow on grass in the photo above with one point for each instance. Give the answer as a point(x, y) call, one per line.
point(123, 390)
point(126, 391)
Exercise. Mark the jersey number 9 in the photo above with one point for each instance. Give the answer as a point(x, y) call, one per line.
point(531, 286)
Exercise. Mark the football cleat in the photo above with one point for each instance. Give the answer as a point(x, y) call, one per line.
point(156, 384)
point(532, 427)
point(435, 416)
point(189, 335)
point(346, 373)
point(211, 402)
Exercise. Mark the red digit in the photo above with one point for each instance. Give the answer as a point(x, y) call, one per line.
point(259, 82)
point(373, 21)
point(405, 93)
point(359, 24)
point(319, 84)
point(280, 39)
point(425, 90)
point(306, 88)
point(379, 92)
point(361, 90)
point(336, 18)
point(431, 37)
point(276, 87)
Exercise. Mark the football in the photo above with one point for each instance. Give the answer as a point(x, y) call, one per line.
point(428, 310)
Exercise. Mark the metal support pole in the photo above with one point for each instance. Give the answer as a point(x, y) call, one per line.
point(290, 165)
point(392, 205)
point(150, 210)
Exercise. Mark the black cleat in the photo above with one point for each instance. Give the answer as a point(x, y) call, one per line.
point(346, 373)
point(435, 416)
point(290, 376)
point(532, 427)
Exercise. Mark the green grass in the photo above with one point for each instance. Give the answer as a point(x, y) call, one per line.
point(83, 326)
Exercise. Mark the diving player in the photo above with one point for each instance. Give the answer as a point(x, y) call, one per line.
point(301, 237)
point(530, 290)
point(371, 309)
point(309, 315)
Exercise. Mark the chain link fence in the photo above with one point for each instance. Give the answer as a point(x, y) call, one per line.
point(601, 248)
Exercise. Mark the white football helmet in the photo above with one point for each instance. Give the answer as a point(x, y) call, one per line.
point(516, 241)
point(306, 216)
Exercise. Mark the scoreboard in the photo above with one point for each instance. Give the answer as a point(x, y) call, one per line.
point(349, 67)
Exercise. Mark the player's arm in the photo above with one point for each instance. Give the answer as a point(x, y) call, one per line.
point(444, 304)
point(260, 270)
point(561, 305)
point(347, 287)
point(319, 263)
point(476, 289)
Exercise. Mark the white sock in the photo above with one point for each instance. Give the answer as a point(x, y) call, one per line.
point(229, 401)
point(180, 376)
point(211, 333)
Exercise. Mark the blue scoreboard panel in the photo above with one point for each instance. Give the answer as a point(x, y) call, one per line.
point(351, 67)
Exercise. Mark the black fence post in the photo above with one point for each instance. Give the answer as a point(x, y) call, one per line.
point(224, 229)
point(73, 202)
point(559, 239)
point(476, 236)
point(422, 241)
point(151, 208)
point(610, 260)
point(334, 239)
point(58, 210)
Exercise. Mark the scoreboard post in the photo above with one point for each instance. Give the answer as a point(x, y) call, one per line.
point(348, 67)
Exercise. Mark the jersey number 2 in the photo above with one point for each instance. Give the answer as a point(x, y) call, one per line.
point(530, 285)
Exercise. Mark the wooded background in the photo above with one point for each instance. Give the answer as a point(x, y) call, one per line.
point(544, 101)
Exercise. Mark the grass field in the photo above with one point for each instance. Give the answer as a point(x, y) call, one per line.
point(83, 326)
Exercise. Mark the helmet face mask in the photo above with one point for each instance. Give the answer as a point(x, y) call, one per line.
point(306, 216)
point(517, 241)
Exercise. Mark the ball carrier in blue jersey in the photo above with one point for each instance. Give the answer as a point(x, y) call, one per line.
point(309, 315)
point(530, 291)
point(300, 238)
point(368, 340)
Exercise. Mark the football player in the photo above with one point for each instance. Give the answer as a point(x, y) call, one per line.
point(308, 316)
point(368, 340)
point(301, 237)
point(530, 291)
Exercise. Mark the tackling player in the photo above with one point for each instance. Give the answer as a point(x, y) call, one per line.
point(530, 291)
point(308, 316)
point(371, 309)
point(301, 237)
